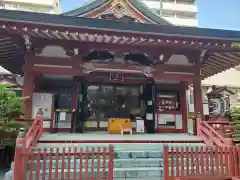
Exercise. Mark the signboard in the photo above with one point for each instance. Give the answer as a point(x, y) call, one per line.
point(116, 76)
point(44, 102)
point(165, 118)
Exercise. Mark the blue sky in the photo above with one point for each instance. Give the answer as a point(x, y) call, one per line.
point(220, 14)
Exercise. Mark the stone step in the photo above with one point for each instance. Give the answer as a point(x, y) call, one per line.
point(118, 163)
point(140, 172)
point(121, 146)
point(118, 173)
point(118, 153)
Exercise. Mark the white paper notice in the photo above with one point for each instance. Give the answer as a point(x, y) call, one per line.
point(179, 122)
point(62, 116)
point(149, 116)
point(140, 126)
point(149, 103)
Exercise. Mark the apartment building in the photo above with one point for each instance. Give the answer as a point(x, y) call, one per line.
point(178, 12)
point(43, 6)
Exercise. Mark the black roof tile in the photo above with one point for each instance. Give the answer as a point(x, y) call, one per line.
point(69, 21)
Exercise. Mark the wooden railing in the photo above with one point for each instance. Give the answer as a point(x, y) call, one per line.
point(225, 128)
point(207, 131)
point(211, 136)
point(188, 163)
point(70, 163)
point(25, 144)
point(207, 178)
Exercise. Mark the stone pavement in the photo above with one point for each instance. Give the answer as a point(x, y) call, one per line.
point(2, 173)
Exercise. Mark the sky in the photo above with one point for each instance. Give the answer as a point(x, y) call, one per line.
point(219, 14)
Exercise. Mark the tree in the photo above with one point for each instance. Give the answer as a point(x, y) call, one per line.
point(10, 107)
point(235, 113)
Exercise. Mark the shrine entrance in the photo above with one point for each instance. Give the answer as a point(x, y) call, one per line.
point(109, 101)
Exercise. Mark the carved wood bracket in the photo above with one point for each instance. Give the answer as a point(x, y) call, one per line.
point(193, 56)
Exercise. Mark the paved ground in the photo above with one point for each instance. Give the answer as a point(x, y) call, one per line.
point(2, 172)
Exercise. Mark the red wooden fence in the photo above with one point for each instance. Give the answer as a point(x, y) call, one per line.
point(25, 144)
point(72, 163)
point(204, 162)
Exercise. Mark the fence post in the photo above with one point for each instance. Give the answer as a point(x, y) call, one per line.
point(19, 168)
point(165, 162)
point(198, 123)
point(111, 162)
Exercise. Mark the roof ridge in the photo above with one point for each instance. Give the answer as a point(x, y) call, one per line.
point(90, 3)
point(137, 4)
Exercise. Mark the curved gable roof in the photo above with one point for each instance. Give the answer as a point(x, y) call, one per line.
point(136, 4)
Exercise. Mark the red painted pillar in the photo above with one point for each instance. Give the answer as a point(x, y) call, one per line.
point(28, 88)
point(76, 67)
point(183, 106)
point(198, 103)
point(28, 85)
point(197, 91)
point(74, 102)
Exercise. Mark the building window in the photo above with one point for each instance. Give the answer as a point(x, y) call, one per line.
point(168, 13)
point(185, 15)
point(168, 1)
point(188, 2)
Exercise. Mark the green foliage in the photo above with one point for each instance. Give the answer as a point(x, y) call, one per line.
point(10, 107)
point(10, 104)
point(235, 113)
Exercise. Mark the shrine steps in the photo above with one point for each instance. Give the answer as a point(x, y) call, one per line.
point(136, 157)
point(104, 137)
point(129, 164)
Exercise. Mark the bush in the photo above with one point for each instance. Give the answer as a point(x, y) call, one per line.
point(10, 104)
point(235, 113)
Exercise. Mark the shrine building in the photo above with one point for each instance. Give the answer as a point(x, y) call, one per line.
point(111, 59)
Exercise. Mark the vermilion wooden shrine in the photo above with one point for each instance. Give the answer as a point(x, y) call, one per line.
point(113, 59)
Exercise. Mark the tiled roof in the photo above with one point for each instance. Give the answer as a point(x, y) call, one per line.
point(67, 21)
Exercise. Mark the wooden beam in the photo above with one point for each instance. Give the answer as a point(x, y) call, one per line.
point(174, 77)
point(57, 70)
point(106, 80)
point(52, 61)
point(150, 49)
point(115, 32)
point(178, 68)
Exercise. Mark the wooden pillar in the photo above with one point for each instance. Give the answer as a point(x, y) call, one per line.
point(28, 84)
point(197, 91)
point(198, 102)
point(74, 103)
point(183, 106)
point(28, 88)
point(76, 57)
